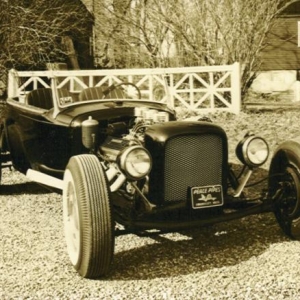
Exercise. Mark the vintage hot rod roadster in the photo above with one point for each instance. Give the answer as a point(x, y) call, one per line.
point(128, 161)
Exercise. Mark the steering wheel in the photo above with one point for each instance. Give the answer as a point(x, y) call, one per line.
point(114, 86)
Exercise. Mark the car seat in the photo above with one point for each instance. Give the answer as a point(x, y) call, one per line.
point(41, 98)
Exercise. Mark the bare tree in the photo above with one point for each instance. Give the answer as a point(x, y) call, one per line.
point(184, 33)
point(219, 32)
point(139, 33)
point(130, 34)
point(36, 32)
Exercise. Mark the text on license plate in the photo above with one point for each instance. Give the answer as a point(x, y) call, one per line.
point(206, 196)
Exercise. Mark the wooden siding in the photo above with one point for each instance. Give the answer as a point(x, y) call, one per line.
point(293, 9)
point(282, 51)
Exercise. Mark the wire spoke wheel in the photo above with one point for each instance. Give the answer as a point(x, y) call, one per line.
point(287, 204)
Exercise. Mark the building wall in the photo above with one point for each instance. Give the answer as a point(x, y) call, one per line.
point(281, 56)
point(282, 51)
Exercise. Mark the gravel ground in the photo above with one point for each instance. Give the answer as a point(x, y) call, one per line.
point(248, 258)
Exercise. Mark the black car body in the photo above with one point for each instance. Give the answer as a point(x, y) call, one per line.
point(128, 161)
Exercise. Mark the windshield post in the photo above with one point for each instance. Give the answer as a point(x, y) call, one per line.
point(167, 82)
point(54, 96)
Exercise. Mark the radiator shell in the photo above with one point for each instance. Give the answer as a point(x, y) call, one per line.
point(185, 154)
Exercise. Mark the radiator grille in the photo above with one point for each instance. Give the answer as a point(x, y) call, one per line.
point(194, 160)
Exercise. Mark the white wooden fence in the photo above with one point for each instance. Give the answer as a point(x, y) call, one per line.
point(194, 88)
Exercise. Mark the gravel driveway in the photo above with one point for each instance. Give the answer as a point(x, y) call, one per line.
point(244, 259)
point(248, 258)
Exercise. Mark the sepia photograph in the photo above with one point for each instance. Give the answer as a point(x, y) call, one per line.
point(150, 149)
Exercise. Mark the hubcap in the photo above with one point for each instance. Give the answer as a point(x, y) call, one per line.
point(71, 220)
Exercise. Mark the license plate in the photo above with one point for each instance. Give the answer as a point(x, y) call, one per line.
point(206, 196)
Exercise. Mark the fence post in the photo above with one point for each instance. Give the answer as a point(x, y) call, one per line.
point(12, 84)
point(236, 88)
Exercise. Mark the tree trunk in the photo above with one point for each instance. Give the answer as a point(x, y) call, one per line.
point(71, 53)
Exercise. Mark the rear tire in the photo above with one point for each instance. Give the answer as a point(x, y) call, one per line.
point(87, 217)
point(2, 132)
point(3, 153)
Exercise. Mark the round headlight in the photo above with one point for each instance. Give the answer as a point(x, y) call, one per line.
point(136, 162)
point(253, 151)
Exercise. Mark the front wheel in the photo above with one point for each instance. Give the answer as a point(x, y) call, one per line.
point(87, 217)
point(284, 188)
